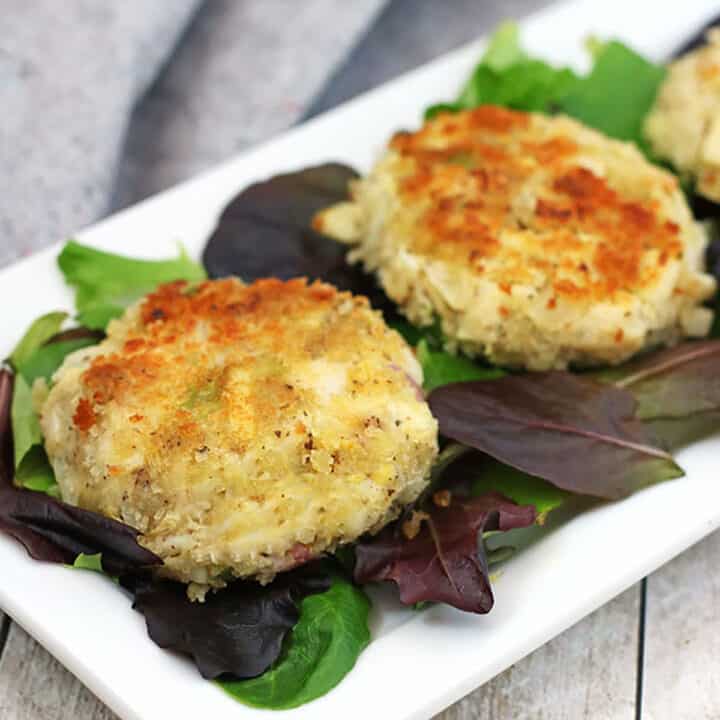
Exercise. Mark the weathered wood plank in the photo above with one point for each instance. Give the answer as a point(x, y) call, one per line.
point(682, 637)
point(587, 672)
point(34, 686)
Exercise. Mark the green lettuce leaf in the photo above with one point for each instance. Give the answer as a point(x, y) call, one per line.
point(48, 358)
point(322, 648)
point(617, 94)
point(25, 425)
point(489, 475)
point(613, 98)
point(32, 468)
point(35, 472)
point(89, 562)
point(506, 76)
point(35, 358)
point(105, 283)
point(504, 49)
point(37, 334)
point(442, 368)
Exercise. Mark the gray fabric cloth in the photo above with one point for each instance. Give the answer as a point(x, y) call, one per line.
point(70, 73)
point(107, 101)
point(244, 72)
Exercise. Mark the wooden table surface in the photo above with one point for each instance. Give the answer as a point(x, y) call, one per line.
point(651, 653)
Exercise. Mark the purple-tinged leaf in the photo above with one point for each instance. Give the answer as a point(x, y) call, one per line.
point(676, 382)
point(712, 260)
point(677, 390)
point(265, 231)
point(576, 433)
point(444, 562)
point(236, 631)
point(77, 333)
point(51, 530)
point(7, 455)
point(675, 433)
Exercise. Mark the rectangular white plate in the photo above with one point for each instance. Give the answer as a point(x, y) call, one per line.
point(418, 663)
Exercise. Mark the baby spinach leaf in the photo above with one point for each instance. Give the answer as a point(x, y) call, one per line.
point(576, 433)
point(106, 283)
point(321, 649)
point(37, 334)
point(441, 368)
point(238, 630)
point(444, 561)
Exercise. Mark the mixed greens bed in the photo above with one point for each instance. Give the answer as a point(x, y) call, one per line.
point(515, 446)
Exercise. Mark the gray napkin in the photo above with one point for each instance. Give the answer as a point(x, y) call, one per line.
point(70, 73)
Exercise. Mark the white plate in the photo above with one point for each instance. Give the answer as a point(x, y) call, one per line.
point(418, 663)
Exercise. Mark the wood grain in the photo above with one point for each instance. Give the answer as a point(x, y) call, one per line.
point(682, 637)
point(34, 686)
point(588, 672)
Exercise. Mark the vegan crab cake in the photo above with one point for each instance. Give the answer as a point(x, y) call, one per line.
point(242, 429)
point(535, 241)
point(684, 124)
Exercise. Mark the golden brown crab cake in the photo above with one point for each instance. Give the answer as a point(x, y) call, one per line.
point(242, 429)
point(536, 241)
point(684, 125)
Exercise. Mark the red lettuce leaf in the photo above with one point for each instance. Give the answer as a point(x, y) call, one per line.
point(77, 333)
point(676, 382)
point(237, 631)
point(266, 231)
point(6, 450)
point(444, 562)
point(713, 264)
point(53, 531)
point(576, 433)
point(677, 390)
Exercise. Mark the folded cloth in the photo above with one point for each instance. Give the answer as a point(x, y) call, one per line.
point(70, 73)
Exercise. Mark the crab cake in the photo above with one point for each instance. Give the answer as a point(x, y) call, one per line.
point(535, 241)
point(243, 429)
point(684, 124)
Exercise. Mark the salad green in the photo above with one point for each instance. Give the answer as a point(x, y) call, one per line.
point(106, 283)
point(322, 648)
point(604, 99)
